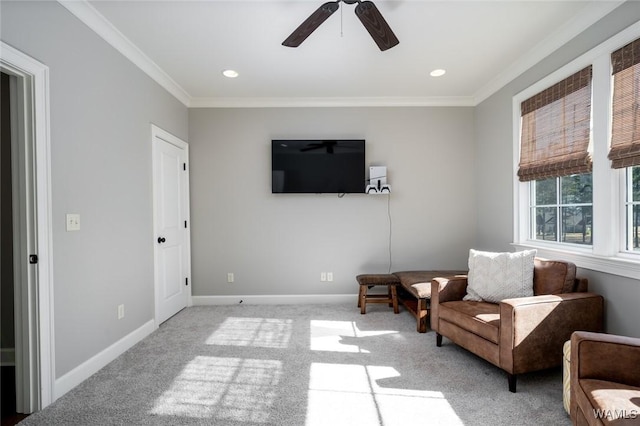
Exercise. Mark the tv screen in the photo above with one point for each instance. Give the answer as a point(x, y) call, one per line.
point(317, 166)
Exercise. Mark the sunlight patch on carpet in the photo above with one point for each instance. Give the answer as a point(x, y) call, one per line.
point(235, 389)
point(255, 332)
point(348, 394)
point(340, 336)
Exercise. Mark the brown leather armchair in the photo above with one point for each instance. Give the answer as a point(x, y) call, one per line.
point(523, 334)
point(605, 379)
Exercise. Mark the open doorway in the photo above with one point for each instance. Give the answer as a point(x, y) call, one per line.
point(25, 223)
point(7, 311)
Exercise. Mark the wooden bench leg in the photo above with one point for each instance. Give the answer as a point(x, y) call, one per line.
point(360, 296)
point(422, 315)
point(363, 299)
point(394, 299)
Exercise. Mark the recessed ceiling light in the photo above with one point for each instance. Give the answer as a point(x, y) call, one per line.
point(437, 73)
point(230, 73)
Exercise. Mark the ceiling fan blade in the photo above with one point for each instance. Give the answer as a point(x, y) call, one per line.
point(311, 24)
point(373, 21)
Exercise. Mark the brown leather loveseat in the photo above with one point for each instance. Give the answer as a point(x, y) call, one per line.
point(605, 379)
point(522, 334)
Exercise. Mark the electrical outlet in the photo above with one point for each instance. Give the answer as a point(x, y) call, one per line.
point(73, 222)
point(329, 276)
point(323, 276)
point(120, 311)
point(230, 277)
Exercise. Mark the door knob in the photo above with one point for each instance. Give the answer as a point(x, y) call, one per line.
point(161, 240)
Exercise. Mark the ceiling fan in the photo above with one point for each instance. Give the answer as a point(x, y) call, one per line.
point(366, 11)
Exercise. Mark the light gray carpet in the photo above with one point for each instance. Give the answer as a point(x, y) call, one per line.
point(303, 365)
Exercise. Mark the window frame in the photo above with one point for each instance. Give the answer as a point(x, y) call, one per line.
point(608, 250)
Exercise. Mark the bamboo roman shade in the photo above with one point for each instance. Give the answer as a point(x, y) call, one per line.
point(556, 130)
point(625, 126)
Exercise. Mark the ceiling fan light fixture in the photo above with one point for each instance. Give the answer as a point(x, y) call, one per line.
point(230, 73)
point(438, 72)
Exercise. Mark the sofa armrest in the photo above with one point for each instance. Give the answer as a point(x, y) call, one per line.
point(534, 329)
point(602, 357)
point(605, 357)
point(445, 289)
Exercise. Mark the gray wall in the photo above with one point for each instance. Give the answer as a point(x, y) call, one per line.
point(494, 171)
point(279, 243)
point(102, 107)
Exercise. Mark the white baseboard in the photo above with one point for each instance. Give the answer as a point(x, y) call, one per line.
point(275, 299)
point(85, 370)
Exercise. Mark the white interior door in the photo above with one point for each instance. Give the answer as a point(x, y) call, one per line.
point(171, 224)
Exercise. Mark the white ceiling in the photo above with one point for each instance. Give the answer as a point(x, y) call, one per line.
point(482, 44)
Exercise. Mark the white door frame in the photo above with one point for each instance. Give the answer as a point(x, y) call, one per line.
point(35, 314)
point(158, 133)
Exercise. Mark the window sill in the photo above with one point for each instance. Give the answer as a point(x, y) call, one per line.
point(616, 265)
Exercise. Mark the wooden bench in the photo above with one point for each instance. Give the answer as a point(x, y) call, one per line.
point(415, 292)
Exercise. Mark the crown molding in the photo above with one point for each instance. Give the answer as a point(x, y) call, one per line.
point(86, 13)
point(579, 23)
point(450, 101)
point(105, 29)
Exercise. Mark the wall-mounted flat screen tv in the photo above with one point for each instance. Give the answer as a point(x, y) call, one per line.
point(318, 166)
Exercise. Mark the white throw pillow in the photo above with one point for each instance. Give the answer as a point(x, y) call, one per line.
point(497, 276)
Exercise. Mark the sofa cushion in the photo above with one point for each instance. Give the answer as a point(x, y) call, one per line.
point(481, 318)
point(618, 403)
point(497, 276)
point(417, 283)
point(553, 277)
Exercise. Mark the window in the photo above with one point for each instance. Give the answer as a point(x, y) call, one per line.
point(625, 134)
point(583, 207)
point(555, 160)
point(562, 209)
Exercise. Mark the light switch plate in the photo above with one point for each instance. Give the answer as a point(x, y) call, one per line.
point(73, 222)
